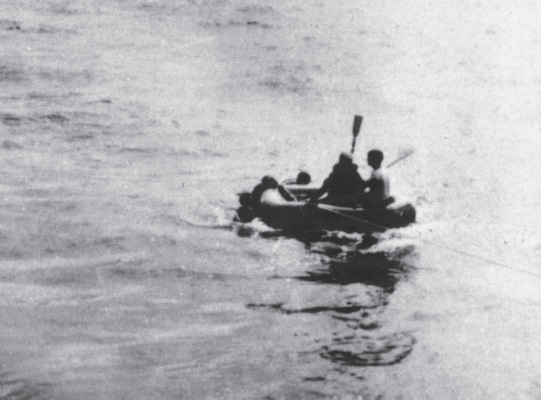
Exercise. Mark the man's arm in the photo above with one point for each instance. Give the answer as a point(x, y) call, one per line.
point(375, 186)
point(322, 190)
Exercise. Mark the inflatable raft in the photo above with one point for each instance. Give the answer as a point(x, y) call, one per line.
point(299, 216)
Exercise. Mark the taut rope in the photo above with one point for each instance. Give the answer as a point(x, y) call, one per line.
point(435, 244)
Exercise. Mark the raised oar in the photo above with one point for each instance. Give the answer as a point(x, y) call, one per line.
point(357, 121)
point(403, 155)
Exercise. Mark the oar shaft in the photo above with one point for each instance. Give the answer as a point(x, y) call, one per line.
point(402, 157)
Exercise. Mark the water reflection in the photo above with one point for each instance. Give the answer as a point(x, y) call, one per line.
point(363, 351)
point(374, 269)
point(371, 277)
point(344, 260)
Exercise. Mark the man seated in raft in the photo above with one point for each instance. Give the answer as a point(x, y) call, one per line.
point(377, 188)
point(343, 184)
point(270, 192)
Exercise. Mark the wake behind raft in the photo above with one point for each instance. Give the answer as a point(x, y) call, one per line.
point(299, 215)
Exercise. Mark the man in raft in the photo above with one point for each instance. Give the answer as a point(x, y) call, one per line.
point(343, 185)
point(377, 188)
point(269, 191)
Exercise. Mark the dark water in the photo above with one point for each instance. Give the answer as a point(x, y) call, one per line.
point(127, 128)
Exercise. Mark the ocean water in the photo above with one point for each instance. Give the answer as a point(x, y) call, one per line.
point(127, 130)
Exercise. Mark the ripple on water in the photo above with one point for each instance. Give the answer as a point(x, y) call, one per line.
point(57, 118)
point(134, 272)
point(361, 351)
point(10, 119)
point(256, 8)
point(10, 145)
point(13, 387)
point(334, 301)
point(10, 25)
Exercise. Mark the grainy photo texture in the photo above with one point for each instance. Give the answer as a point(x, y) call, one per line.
point(234, 199)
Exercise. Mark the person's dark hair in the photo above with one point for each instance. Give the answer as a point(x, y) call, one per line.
point(269, 182)
point(345, 158)
point(246, 199)
point(376, 156)
point(303, 178)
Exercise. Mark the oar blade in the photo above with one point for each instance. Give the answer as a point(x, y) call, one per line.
point(357, 121)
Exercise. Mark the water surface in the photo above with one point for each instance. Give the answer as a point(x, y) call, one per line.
point(127, 128)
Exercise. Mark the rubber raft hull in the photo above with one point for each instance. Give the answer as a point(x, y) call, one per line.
point(299, 216)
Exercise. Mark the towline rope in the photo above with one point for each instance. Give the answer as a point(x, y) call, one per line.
point(435, 244)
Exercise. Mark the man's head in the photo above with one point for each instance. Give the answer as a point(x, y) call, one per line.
point(269, 182)
point(303, 178)
point(345, 159)
point(375, 157)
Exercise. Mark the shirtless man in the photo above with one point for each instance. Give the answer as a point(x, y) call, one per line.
point(377, 187)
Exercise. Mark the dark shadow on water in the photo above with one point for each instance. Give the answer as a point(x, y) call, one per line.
point(344, 261)
point(374, 269)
